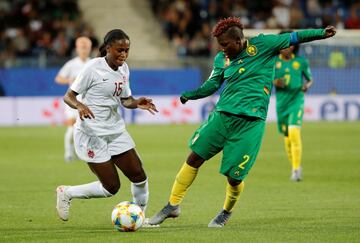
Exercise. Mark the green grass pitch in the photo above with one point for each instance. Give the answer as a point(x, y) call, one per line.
point(325, 207)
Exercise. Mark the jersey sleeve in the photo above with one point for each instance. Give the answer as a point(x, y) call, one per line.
point(306, 70)
point(65, 71)
point(310, 35)
point(213, 83)
point(126, 91)
point(83, 81)
point(276, 42)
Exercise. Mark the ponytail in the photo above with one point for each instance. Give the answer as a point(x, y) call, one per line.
point(102, 50)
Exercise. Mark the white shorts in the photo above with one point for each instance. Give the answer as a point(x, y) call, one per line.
point(98, 149)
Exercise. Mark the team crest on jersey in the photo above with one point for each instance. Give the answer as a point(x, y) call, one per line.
point(296, 65)
point(251, 50)
point(91, 154)
point(278, 65)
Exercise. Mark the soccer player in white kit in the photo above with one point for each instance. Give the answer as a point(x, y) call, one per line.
point(67, 75)
point(100, 136)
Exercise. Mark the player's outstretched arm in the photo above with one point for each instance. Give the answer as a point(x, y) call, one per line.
point(212, 84)
point(209, 87)
point(141, 103)
point(303, 36)
point(62, 80)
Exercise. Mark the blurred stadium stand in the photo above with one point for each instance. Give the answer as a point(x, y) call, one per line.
point(176, 34)
point(135, 18)
point(187, 23)
point(40, 33)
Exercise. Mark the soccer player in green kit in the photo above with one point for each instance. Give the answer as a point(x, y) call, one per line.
point(289, 72)
point(236, 126)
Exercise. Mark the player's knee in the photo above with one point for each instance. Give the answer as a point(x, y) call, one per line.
point(194, 160)
point(139, 176)
point(234, 182)
point(112, 187)
point(138, 179)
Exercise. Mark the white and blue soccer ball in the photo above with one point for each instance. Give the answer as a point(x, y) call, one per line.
point(127, 216)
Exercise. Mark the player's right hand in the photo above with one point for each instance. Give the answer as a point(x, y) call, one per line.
point(183, 100)
point(84, 112)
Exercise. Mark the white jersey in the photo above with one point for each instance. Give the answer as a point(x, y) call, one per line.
point(72, 68)
point(101, 89)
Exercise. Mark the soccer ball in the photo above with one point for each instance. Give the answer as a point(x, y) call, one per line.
point(127, 216)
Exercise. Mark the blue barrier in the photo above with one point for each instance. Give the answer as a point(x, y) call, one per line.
point(40, 82)
point(30, 82)
point(340, 81)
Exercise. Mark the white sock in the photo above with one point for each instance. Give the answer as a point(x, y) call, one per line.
point(90, 190)
point(69, 142)
point(140, 192)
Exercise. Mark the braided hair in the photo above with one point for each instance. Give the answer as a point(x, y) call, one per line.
point(110, 37)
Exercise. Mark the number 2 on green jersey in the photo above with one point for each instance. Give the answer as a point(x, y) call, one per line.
point(246, 159)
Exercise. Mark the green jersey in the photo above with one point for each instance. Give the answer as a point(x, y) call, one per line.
point(248, 77)
point(292, 71)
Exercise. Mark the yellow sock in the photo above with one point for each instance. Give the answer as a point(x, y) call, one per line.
point(183, 180)
point(232, 196)
point(296, 147)
point(288, 148)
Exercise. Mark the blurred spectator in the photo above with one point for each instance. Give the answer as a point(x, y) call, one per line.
point(282, 14)
point(338, 21)
point(337, 59)
point(296, 16)
point(184, 20)
point(32, 28)
point(60, 44)
point(353, 22)
point(200, 45)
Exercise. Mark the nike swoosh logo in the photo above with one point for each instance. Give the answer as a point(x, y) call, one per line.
point(104, 79)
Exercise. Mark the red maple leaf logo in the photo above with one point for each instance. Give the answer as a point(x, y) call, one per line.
point(54, 113)
point(91, 154)
point(177, 111)
point(308, 110)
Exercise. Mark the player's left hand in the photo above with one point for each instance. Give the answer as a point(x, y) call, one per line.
point(146, 104)
point(183, 100)
point(330, 31)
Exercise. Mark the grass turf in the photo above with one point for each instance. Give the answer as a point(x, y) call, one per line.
point(325, 207)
